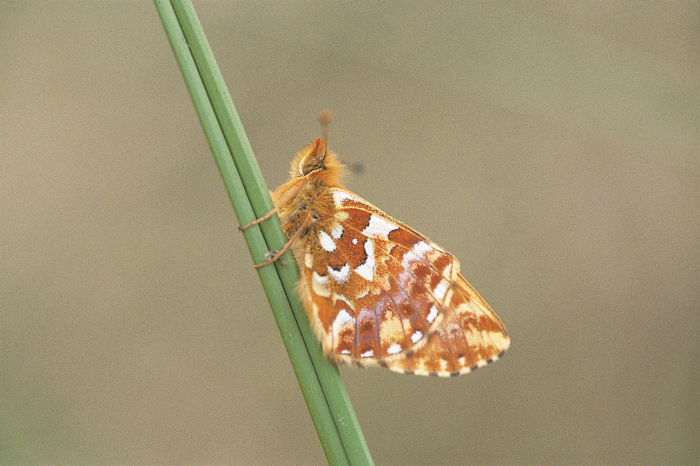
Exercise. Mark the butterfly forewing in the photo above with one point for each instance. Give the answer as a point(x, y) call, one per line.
point(376, 291)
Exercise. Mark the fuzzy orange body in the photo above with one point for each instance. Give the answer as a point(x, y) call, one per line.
point(376, 291)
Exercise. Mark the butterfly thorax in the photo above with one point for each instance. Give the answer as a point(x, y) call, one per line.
point(313, 200)
point(306, 198)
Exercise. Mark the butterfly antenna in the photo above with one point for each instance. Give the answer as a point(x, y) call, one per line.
point(325, 118)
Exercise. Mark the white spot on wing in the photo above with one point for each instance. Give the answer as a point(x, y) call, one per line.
point(339, 275)
point(340, 196)
point(354, 241)
point(421, 248)
point(394, 349)
point(379, 227)
point(336, 230)
point(440, 290)
point(368, 354)
point(366, 270)
point(417, 335)
point(309, 260)
point(433, 314)
point(448, 271)
point(327, 242)
point(341, 320)
point(419, 251)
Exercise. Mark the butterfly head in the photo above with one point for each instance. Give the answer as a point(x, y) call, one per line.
point(318, 165)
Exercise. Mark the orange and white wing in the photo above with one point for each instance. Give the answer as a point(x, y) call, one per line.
point(380, 293)
point(469, 336)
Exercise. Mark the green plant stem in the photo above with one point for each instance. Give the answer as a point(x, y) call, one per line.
point(323, 390)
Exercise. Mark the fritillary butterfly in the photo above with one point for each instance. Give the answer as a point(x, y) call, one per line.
point(377, 292)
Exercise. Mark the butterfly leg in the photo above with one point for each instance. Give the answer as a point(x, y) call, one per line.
point(293, 192)
point(305, 223)
point(259, 220)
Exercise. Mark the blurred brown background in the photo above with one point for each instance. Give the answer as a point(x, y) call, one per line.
point(551, 146)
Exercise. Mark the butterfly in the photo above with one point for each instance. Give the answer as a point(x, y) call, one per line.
point(377, 292)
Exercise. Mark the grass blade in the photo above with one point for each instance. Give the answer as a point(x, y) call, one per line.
point(323, 390)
